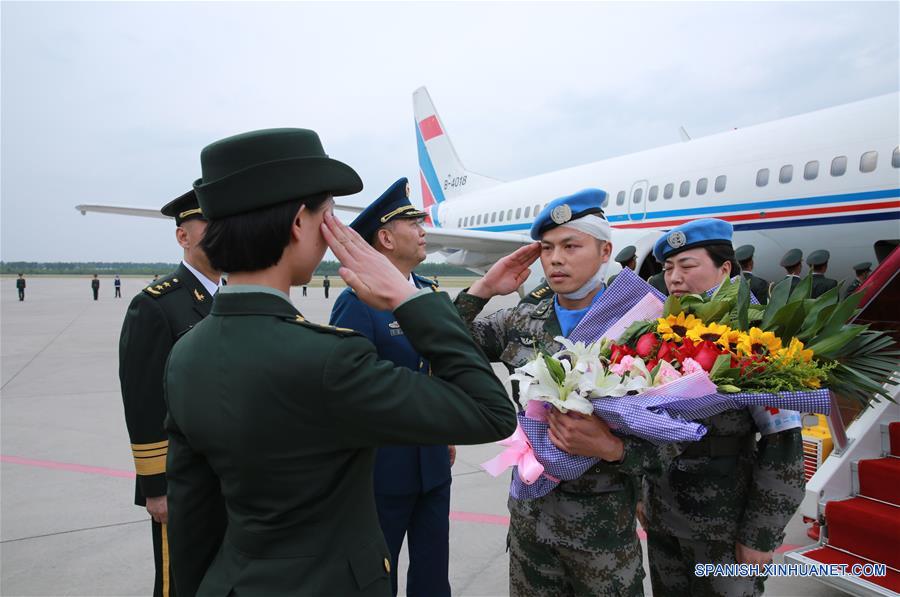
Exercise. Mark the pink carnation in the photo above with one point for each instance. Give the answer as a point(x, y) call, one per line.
point(622, 367)
point(666, 373)
point(689, 366)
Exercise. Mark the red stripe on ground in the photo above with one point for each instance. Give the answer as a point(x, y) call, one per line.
point(67, 466)
point(766, 215)
point(480, 518)
point(430, 128)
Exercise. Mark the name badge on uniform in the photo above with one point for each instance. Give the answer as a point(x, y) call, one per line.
point(394, 328)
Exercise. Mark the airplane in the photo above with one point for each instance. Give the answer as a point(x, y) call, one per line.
point(824, 179)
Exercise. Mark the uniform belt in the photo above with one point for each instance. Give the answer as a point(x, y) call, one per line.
point(718, 446)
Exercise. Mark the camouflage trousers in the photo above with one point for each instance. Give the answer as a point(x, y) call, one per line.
point(672, 562)
point(542, 568)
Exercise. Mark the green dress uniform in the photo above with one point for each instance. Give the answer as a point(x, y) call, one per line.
point(821, 284)
point(658, 281)
point(281, 418)
point(156, 318)
point(581, 538)
point(758, 286)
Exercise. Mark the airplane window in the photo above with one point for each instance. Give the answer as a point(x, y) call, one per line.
point(493, 217)
point(811, 170)
point(459, 223)
point(786, 174)
point(839, 165)
point(684, 189)
point(720, 183)
point(527, 211)
point(654, 192)
point(519, 213)
point(620, 198)
point(605, 201)
point(668, 191)
point(868, 161)
point(537, 208)
point(895, 159)
point(478, 221)
point(509, 215)
point(701, 186)
point(501, 216)
point(637, 196)
point(762, 177)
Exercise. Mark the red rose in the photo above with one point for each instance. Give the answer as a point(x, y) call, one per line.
point(619, 351)
point(667, 351)
point(646, 344)
point(706, 354)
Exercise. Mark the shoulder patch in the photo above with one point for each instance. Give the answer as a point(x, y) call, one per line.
point(300, 320)
point(162, 286)
point(541, 292)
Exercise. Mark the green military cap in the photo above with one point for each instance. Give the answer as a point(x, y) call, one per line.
point(744, 252)
point(266, 167)
point(862, 267)
point(819, 257)
point(792, 258)
point(626, 254)
point(183, 208)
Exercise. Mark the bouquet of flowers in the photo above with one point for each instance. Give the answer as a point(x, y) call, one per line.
point(686, 359)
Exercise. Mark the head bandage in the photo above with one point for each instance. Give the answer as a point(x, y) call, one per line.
point(598, 228)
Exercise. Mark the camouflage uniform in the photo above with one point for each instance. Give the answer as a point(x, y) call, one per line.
point(539, 293)
point(727, 488)
point(580, 539)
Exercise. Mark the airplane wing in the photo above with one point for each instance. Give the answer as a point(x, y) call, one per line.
point(145, 212)
point(476, 250)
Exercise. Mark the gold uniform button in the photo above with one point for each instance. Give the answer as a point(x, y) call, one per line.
point(387, 565)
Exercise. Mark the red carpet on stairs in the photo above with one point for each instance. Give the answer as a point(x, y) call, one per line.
point(894, 431)
point(880, 479)
point(866, 528)
point(826, 555)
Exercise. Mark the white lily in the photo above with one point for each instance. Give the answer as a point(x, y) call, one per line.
point(583, 356)
point(536, 383)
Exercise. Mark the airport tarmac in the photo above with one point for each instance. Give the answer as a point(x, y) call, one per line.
point(68, 525)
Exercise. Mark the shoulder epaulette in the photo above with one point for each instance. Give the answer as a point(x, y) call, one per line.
point(163, 286)
point(541, 292)
point(300, 320)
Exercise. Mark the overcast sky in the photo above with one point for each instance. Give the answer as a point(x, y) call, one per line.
point(112, 102)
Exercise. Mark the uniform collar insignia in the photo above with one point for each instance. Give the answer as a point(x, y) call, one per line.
point(199, 295)
point(394, 324)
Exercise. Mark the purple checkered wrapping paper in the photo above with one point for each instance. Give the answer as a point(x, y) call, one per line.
point(626, 291)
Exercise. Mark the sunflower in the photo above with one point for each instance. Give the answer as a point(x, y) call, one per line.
point(674, 328)
point(759, 342)
point(730, 339)
point(796, 352)
point(712, 332)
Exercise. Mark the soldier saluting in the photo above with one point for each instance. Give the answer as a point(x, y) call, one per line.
point(159, 315)
point(279, 417)
point(580, 538)
point(412, 483)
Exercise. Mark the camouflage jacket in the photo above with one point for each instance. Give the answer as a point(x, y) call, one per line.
point(748, 498)
point(513, 336)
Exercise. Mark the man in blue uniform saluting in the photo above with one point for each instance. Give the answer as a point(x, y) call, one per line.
point(412, 483)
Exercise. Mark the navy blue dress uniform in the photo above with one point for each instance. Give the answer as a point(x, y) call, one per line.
point(758, 286)
point(820, 282)
point(280, 417)
point(412, 483)
point(156, 318)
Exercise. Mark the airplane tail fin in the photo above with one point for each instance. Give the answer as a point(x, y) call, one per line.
point(441, 173)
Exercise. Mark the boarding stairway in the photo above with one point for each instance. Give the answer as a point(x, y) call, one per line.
point(854, 494)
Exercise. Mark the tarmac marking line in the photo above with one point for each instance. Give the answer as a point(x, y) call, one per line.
point(46, 346)
point(102, 526)
point(66, 466)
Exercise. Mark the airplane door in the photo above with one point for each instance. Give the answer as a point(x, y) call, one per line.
point(637, 200)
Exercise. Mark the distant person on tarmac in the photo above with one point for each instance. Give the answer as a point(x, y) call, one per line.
point(117, 283)
point(326, 284)
point(95, 286)
point(20, 286)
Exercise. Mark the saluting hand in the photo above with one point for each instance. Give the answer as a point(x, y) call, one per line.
point(508, 273)
point(375, 279)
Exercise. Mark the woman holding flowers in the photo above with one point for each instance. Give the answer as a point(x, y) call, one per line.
point(727, 498)
point(580, 539)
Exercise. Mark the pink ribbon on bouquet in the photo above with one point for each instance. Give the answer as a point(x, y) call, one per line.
point(518, 453)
